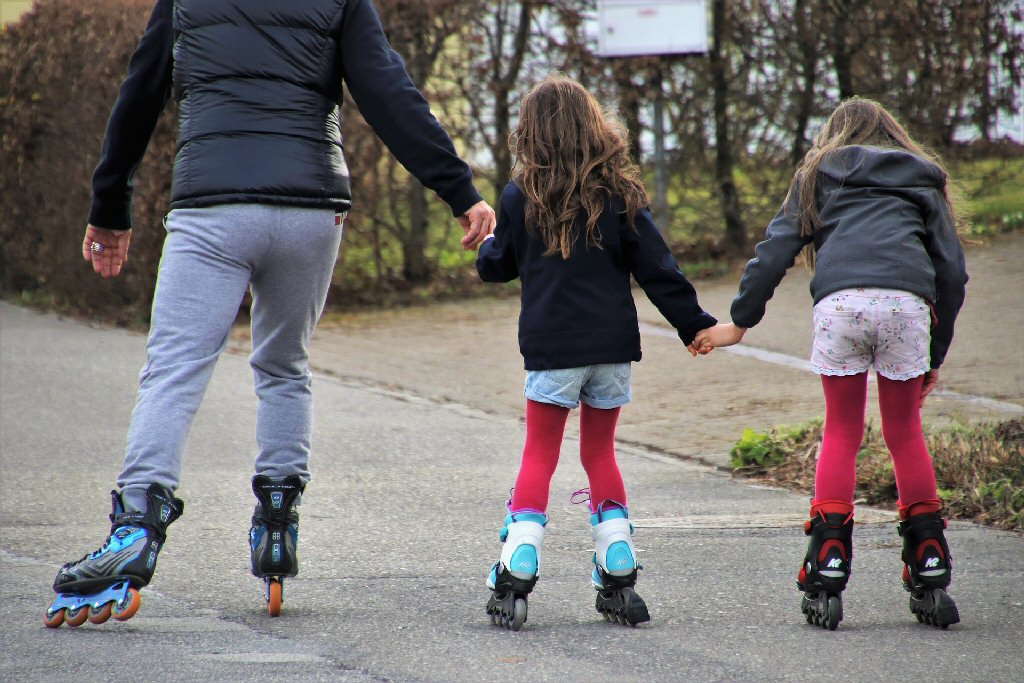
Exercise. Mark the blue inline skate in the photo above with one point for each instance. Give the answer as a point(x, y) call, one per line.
point(513, 577)
point(105, 583)
point(615, 566)
point(274, 536)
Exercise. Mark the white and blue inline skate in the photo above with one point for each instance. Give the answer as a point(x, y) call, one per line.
point(106, 582)
point(274, 536)
point(615, 565)
point(513, 577)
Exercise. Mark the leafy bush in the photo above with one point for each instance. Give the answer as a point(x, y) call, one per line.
point(63, 62)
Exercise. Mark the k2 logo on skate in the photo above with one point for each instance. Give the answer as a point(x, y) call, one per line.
point(835, 563)
point(932, 562)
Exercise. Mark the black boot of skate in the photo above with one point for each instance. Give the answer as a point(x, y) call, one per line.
point(927, 568)
point(274, 536)
point(105, 583)
point(828, 563)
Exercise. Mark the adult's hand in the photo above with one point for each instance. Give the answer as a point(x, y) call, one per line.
point(477, 223)
point(106, 250)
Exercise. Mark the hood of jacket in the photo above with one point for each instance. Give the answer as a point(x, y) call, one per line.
point(881, 166)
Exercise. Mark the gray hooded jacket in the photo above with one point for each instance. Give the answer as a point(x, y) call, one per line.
point(884, 223)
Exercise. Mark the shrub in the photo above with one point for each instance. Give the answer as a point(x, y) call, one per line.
point(62, 64)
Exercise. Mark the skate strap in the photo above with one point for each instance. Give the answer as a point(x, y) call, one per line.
point(608, 509)
point(920, 528)
point(277, 496)
point(534, 516)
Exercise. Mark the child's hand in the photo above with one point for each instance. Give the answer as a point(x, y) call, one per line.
point(695, 349)
point(722, 334)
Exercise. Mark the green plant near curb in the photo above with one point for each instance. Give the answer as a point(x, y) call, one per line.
point(979, 469)
point(757, 452)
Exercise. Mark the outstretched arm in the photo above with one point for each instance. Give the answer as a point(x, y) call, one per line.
point(399, 114)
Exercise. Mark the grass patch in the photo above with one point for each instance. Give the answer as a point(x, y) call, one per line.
point(979, 469)
point(991, 188)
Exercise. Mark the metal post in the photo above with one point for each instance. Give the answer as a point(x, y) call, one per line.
point(660, 206)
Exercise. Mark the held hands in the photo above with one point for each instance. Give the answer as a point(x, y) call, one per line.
point(478, 223)
point(106, 250)
point(722, 334)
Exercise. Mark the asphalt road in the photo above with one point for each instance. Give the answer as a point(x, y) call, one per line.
point(399, 528)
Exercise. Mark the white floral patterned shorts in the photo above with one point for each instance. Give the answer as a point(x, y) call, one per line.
point(855, 329)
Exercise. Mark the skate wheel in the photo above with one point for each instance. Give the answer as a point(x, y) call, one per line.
point(125, 610)
point(98, 616)
point(275, 597)
point(518, 615)
point(53, 620)
point(835, 612)
point(76, 617)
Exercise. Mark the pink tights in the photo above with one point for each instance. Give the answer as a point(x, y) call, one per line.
point(545, 425)
point(899, 402)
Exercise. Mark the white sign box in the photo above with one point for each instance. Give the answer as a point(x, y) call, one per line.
point(651, 27)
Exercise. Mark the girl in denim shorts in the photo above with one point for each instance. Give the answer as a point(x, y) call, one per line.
point(574, 227)
point(872, 213)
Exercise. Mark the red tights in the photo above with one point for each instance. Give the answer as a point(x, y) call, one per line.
point(545, 424)
point(899, 402)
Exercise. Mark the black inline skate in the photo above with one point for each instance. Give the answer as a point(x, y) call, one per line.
point(927, 568)
point(513, 577)
point(274, 536)
point(828, 564)
point(105, 583)
point(615, 566)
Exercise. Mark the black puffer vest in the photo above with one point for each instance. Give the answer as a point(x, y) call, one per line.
point(265, 127)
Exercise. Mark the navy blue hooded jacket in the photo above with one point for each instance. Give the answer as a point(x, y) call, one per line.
point(259, 85)
point(580, 311)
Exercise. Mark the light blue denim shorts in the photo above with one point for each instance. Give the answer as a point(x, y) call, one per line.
point(602, 386)
point(856, 329)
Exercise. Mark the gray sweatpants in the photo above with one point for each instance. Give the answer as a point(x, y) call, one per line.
point(210, 257)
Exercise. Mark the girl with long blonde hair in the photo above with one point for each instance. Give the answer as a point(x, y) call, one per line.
point(873, 212)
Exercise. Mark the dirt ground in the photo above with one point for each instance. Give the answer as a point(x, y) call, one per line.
point(466, 355)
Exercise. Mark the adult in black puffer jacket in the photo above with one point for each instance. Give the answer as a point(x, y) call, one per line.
point(259, 195)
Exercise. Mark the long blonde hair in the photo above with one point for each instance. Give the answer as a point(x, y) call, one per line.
point(856, 121)
point(570, 157)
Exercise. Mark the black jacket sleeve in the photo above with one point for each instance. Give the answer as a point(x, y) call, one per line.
point(656, 271)
point(772, 258)
point(397, 111)
point(947, 255)
point(142, 97)
point(496, 260)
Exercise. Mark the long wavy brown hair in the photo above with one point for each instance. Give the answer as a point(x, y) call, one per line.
point(571, 156)
point(856, 121)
